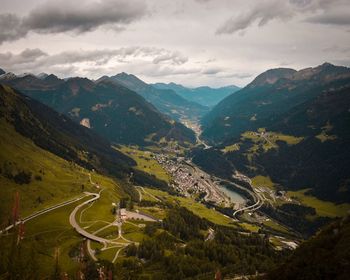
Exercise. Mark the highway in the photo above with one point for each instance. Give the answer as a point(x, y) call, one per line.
point(44, 211)
point(78, 228)
point(259, 201)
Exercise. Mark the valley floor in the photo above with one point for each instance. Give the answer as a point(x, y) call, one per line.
point(103, 224)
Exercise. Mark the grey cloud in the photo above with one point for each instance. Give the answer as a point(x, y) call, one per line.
point(27, 56)
point(212, 70)
point(264, 11)
point(261, 13)
point(202, 1)
point(11, 28)
point(237, 75)
point(345, 62)
point(64, 70)
point(37, 60)
point(55, 17)
point(169, 71)
point(336, 48)
point(64, 16)
point(341, 19)
point(175, 58)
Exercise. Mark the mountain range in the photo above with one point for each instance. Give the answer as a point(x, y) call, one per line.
point(204, 95)
point(112, 110)
point(293, 126)
point(166, 101)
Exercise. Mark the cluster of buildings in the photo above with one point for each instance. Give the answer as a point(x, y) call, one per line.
point(189, 180)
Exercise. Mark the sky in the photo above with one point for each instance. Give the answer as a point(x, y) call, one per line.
point(190, 42)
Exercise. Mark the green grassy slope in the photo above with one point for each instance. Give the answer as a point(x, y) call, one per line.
point(53, 179)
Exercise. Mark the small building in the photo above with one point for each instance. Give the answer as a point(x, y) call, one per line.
point(123, 215)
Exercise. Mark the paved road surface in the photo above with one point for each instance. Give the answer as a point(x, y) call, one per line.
point(78, 228)
point(44, 211)
point(259, 201)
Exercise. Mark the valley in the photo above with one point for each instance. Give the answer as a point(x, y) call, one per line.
point(175, 140)
point(161, 195)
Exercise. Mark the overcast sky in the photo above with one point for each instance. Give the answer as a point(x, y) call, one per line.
point(191, 42)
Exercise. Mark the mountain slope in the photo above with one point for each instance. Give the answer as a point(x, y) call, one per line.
point(37, 130)
point(205, 96)
point(46, 156)
point(271, 94)
point(165, 100)
point(112, 110)
point(294, 130)
point(58, 134)
point(325, 256)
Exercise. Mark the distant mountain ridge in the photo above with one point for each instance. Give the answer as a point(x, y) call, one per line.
point(292, 126)
point(113, 111)
point(204, 95)
point(165, 100)
point(272, 93)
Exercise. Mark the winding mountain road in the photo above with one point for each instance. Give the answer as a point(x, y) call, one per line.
point(78, 228)
point(44, 211)
point(259, 201)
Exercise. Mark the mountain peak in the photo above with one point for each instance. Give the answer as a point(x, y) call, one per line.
point(7, 76)
point(326, 64)
point(25, 74)
point(271, 76)
point(124, 75)
point(101, 79)
point(323, 73)
point(42, 76)
point(127, 80)
point(2, 71)
point(51, 78)
point(76, 83)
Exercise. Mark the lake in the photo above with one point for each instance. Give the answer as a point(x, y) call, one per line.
point(235, 197)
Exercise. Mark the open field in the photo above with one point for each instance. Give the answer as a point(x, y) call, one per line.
point(323, 208)
point(145, 162)
point(156, 212)
point(250, 227)
point(268, 140)
point(275, 226)
point(133, 232)
point(262, 181)
point(231, 148)
point(326, 135)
